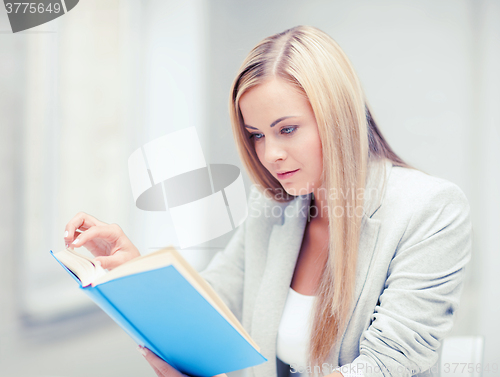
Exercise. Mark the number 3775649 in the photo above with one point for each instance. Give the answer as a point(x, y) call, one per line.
point(470, 367)
point(33, 7)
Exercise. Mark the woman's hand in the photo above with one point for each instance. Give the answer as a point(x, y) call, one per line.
point(162, 368)
point(106, 242)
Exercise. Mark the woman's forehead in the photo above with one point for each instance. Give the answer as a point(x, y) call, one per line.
point(275, 98)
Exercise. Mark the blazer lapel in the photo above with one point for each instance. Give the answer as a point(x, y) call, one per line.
point(375, 186)
point(283, 250)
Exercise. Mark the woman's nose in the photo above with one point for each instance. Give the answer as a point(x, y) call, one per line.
point(274, 151)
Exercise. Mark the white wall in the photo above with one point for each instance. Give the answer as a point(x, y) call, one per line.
point(173, 72)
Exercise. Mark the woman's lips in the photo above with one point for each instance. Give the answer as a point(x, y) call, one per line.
point(287, 175)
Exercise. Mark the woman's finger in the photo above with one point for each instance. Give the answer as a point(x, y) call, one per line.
point(159, 365)
point(114, 260)
point(158, 373)
point(162, 368)
point(142, 350)
point(82, 221)
point(109, 233)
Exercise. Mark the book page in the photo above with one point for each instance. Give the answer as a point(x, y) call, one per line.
point(83, 267)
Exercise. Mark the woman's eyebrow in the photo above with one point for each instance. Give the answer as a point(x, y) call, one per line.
point(273, 123)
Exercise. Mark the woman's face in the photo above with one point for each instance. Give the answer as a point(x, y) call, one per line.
point(285, 134)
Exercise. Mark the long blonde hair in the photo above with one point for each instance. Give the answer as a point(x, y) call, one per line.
point(314, 64)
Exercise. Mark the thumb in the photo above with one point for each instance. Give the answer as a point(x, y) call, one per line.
point(112, 261)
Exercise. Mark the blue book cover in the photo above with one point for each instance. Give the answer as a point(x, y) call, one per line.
point(161, 310)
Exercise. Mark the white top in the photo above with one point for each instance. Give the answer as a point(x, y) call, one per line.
point(294, 330)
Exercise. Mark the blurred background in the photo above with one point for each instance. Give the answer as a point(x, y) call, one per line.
point(79, 94)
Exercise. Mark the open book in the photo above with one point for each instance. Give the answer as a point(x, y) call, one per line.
point(162, 302)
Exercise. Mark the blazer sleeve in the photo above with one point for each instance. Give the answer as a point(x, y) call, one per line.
point(225, 272)
point(422, 291)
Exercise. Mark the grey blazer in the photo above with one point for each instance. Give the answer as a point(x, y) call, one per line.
point(415, 241)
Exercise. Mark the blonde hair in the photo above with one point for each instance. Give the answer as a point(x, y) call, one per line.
point(315, 65)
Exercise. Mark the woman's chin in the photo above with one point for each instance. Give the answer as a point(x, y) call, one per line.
point(296, 190)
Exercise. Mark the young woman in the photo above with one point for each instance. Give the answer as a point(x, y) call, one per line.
point(349, 257)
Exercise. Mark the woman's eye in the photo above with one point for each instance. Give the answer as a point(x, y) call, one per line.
point(255, 136)
point(288, 130)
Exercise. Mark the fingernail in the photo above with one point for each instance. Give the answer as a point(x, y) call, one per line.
point(65, 234)
point(67, 245)
point(141, 350)
point(98, 262)
point(75, 241)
